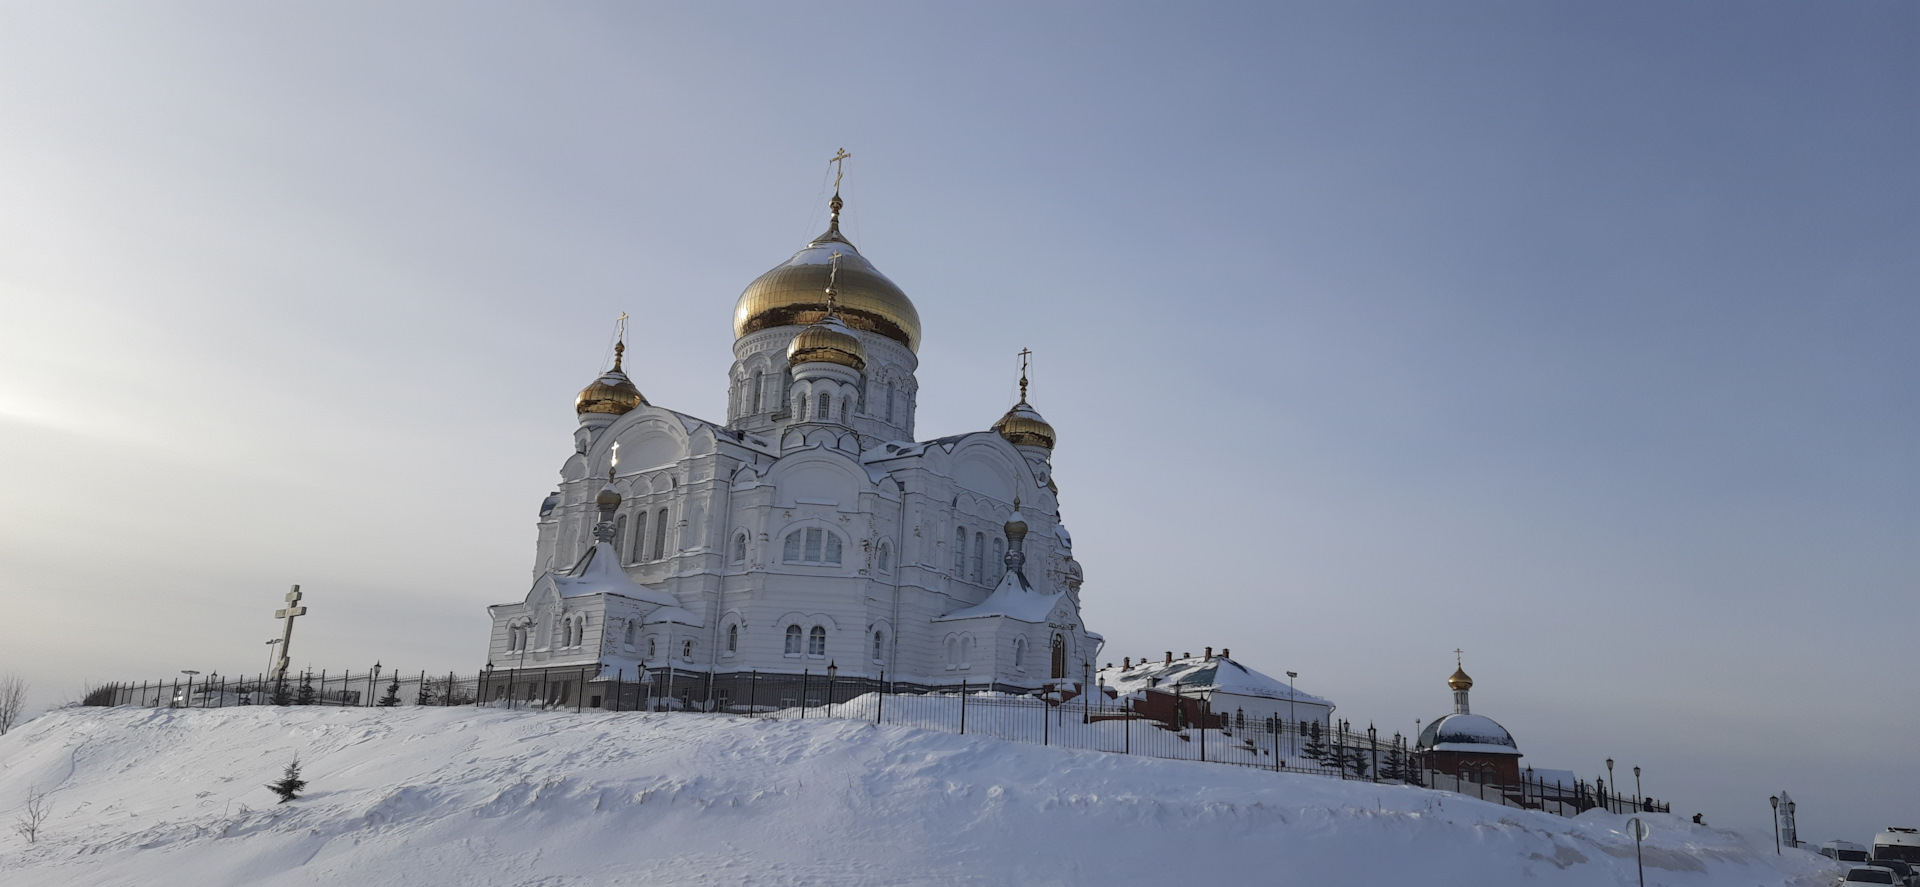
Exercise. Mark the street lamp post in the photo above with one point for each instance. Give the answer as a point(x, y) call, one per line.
point(1775, 801)
point(1793, 826)
point(1293, 748)
point(1638, 800)
point(833, 672)
point(1616, 790)
point(373, 677)
point(270, 644)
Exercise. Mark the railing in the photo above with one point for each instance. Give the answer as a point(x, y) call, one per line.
point(1086, 722)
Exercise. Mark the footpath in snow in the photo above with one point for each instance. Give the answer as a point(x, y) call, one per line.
point(471, 796)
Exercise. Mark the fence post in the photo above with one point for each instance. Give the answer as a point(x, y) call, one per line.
point(963, 707)
point(1046, 723)
point(806, 683)
point(753, 692)
point(880, 697)
point(1126, 732)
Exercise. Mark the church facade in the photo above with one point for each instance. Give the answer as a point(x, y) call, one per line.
point(807, 533)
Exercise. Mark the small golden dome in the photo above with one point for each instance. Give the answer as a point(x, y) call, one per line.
point(794, 292)
point(1016, 525)
point(1023, 427)
point(828, 341)
point(612, 393)
point(1459, 680)
point(609, 498)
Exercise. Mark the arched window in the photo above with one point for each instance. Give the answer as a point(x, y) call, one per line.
point(879, 646)
point(953, 653)
point(629, 637)
point(753, 392)
point(817, 641)
point(862, 410)
point(884, 560)
point(979, 550)
point(995, 566)
point(733, 639)
point(660, 534)
point(889, 403)
point(966, 651)
point(686, 650)
point(793, 640)
point(639, 547)
point(823, 407)
point(652, 648)
point(959, 552)
point(620, 537)
point(1059, 656)
point(739, 548)
point(799, 406)
point(833, 549)
point(843, 411)
point(1019, 652)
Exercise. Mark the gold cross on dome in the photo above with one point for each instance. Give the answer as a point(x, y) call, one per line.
point(839, 161)
point(833, 275)
point(1026, 355)
point(1456, 658)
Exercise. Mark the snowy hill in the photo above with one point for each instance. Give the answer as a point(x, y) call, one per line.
point(424, 796)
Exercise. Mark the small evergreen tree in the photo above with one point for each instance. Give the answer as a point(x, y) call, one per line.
point(1393, 767)
point(280, 694)
point(306, 695)
point(393, 693)
point(425, 696)
point(1357, 762)
point(1314, 750)
point(290, 784)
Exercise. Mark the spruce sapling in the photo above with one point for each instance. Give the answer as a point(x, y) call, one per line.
point(289, 785)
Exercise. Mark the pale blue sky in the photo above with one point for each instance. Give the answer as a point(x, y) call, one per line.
point(1579, 336)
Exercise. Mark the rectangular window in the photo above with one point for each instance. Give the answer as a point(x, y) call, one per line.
point(792, 553)
point(813, 545)
point(833, 549)
point(660, 534)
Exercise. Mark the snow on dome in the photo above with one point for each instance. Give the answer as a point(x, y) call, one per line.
point(1195, 675)
point(1468, 733)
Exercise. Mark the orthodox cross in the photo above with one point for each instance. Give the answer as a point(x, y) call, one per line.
point(839, 161)
point(1456, 658)
point(615, 460)
point(287, 614)
point(619, 338)
point(833, 274)
point(1025, 356)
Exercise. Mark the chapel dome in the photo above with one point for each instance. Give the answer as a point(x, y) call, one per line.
point(612, 393)
point(794, 292)
point(1473, 733)
point(1459, 680)
point(1023, 427)
point(828, 340)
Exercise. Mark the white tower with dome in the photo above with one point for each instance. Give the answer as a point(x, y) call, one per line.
point(807, 531)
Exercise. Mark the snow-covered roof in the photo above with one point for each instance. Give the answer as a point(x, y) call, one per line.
point(1477, 734)
point(598, 572)
point(1202, 674)
point(1012, 598)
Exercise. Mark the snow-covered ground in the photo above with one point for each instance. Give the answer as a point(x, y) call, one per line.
point(427, 796)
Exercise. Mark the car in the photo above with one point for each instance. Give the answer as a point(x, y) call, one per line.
point(1872, 874)
point(1901, 870)
point(1844, 851)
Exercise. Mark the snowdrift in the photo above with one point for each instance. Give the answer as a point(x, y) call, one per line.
point(427, 796)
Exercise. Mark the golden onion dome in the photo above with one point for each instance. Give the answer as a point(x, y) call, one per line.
point(1459, 680)
point(828, 341)
point(1023, 427)
point(794, 292)
point(612, 393)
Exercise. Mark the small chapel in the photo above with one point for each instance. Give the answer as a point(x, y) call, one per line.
point(807, 541)
point(1475, 746)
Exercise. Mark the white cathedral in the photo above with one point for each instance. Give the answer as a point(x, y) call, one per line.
point(809, 533)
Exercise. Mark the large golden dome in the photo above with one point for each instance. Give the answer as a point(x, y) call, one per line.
point(612, 393)
point(1459, 680)
point(1023, 427)
point(828, 341)
point(794, 292)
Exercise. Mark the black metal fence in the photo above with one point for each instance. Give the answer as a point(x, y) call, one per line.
point(1087, 722)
